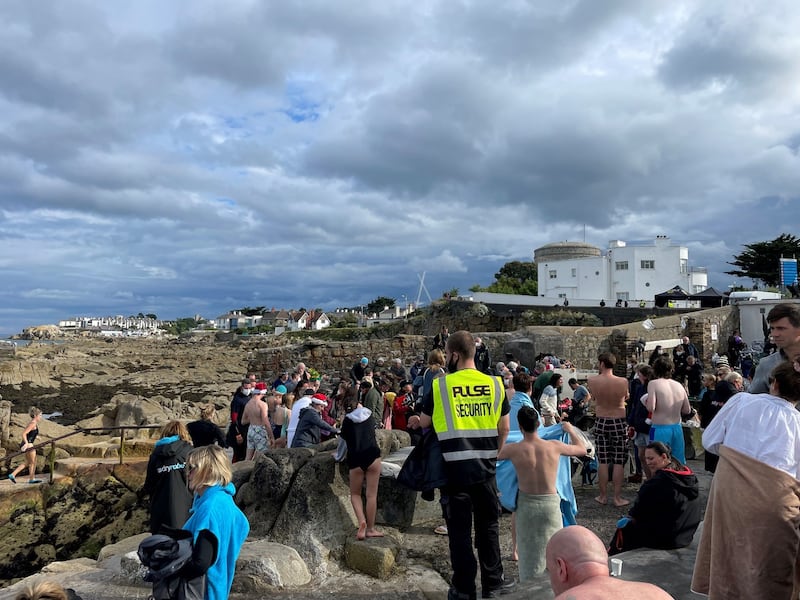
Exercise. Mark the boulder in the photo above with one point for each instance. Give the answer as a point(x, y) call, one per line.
point(132, 410)
point(316, 518)
point(263, 566)
point(42, 332)
point(264, 485)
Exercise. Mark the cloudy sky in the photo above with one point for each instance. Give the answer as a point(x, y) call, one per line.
point(193, 157)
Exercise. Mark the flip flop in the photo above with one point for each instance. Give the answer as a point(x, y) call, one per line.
point(12, 478)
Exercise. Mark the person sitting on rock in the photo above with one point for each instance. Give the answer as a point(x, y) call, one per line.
point(666, 512)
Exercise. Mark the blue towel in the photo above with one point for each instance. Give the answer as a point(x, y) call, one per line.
point(508, 485)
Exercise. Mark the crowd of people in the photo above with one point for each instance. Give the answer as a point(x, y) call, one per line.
point(468, 407)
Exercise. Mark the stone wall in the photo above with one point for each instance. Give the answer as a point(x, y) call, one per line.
point(579, 344)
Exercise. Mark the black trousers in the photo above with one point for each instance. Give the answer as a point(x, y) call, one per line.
point(464, 506)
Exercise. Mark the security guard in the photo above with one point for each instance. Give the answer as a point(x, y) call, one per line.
point(469, 412)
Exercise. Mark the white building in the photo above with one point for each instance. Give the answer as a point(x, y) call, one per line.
point(582, 271)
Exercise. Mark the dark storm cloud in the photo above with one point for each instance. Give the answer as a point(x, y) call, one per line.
point(184, 159)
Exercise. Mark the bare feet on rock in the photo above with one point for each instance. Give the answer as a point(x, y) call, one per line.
point(374, 533)
point(621, 502)
point(601, 500)
point(362, 530)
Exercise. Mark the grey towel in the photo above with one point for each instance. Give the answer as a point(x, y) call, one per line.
point(538, 518)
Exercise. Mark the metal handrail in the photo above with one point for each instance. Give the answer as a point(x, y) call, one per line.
point(51, 455)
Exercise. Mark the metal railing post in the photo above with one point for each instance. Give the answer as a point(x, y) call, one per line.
point(52, 460)
point(121, 445)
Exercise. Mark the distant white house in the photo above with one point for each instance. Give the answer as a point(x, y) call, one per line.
point(576, 270)
point(319, 321)
point(389, 314)
point(298, 320)
point(315, 320)
point(231, 320)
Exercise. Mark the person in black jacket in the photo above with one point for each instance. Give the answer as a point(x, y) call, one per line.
point(667, 508)
point(237, 431)
point(165, 483)
point(205, 431)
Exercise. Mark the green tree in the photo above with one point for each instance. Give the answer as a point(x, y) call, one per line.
point(180, 325)
point(151, 316)
point(761, 260)
point(380, 303)
point(515, 277)
point(346, 319)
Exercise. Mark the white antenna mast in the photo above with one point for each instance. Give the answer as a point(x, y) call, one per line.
point(422, 287)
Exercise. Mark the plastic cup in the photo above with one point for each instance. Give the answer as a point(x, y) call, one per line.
point(616, 567)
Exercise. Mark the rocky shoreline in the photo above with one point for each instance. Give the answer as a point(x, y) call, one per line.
point(91, 377)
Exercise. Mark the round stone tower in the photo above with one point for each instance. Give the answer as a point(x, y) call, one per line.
point(564, 251)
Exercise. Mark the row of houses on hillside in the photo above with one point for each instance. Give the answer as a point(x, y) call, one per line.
point(289, 320)
point(118, 323)
point(281, 320)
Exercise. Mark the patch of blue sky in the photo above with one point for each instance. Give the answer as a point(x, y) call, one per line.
point(226, 201)
point(235, 122)
point(301, 107)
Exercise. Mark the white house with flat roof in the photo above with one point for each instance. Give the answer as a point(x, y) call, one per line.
point(623, 272)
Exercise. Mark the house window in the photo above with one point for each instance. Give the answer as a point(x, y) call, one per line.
point(621, 265)
point(648, 264)
point(552, 273)
point(574, 272)
point(684, 265)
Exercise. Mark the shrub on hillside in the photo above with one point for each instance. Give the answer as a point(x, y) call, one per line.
point(567, 318)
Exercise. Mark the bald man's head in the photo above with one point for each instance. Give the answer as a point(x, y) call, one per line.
point(573, 554)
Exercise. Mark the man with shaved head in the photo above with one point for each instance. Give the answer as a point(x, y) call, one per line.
point(577, 562)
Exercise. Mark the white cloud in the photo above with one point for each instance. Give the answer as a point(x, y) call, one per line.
point(175, 159)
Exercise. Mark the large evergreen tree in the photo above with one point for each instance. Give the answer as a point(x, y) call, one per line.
point(380, 303)
point(515, 277)
point(762, 260)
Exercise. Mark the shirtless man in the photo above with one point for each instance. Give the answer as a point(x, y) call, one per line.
point(260, 430)
point(611, 431)
point(538, 513)
point(577, 562)
point(666, 401)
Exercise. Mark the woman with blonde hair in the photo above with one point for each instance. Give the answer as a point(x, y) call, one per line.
point(166, 481)
point(45, 590)
point(29, 435)
point(217, 525)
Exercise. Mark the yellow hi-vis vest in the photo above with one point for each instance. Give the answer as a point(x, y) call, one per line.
point(467, 407)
